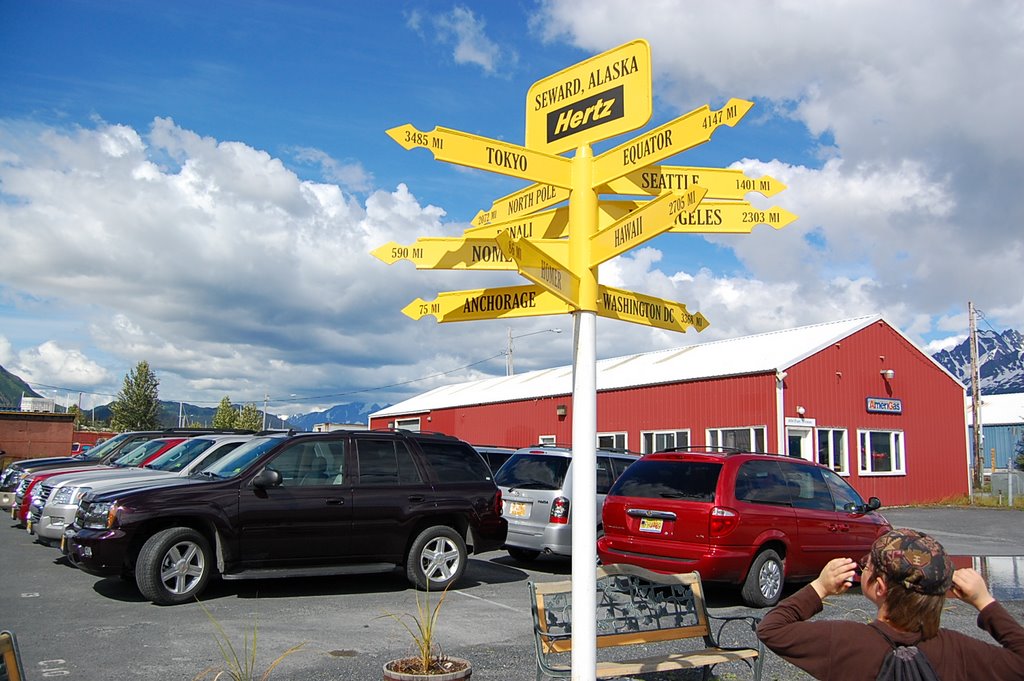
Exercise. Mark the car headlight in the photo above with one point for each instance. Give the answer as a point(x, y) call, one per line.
point(62, 495)
point(99, 516)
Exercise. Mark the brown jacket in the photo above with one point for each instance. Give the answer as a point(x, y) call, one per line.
point(840, 650)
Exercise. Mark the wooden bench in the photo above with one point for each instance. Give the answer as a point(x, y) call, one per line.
point(637, 607)
point(10, 660)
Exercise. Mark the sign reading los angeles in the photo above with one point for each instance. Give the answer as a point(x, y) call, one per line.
point(559, 229)
point(599, 98)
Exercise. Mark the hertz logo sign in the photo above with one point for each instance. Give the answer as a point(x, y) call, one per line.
point(601, 97)
point(586, 113)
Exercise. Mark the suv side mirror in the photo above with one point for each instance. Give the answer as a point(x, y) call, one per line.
point(874, 503)
point(267, 477)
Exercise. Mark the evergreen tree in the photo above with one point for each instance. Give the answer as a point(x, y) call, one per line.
point(226, 416)
point(79, 417)
point(250, 418)
point(1019, 451)
point(137, 406)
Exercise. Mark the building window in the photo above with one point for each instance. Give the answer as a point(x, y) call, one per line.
point(546, 440)
point(657, 440)
point(832, 450)
point(408, 424)
point(611, 440)
point(744, 439)
point(881, 452)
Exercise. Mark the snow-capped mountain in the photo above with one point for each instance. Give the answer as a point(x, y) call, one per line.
point(353, 412)
point(1000, 362)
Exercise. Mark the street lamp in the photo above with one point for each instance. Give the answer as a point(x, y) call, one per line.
point(509, 370)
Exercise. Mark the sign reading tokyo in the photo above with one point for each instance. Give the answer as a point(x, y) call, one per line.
point(598, 98)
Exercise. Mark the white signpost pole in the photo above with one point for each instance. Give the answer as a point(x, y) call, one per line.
point(583, 512)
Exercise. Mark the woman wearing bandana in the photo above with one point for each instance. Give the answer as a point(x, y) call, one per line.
point(906, 575)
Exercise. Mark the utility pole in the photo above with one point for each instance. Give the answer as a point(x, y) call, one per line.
point(508, 355)
point(266, 398)
point(979, 474)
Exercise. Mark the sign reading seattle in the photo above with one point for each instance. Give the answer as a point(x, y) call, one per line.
point(601, 97)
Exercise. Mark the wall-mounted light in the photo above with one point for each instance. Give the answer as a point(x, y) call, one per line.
point(801, 411)
point(780, 375)
point(887, 374)
point(560, 411)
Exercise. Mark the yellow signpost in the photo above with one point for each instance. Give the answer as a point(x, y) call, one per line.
point(541, 268)
point(674, 137)
point(721, 183)
point(560, 248)
point(601, 97)
point(488, 303)
point(446, 253)
point(646, 222)
point(483, 153)
point(629, 306)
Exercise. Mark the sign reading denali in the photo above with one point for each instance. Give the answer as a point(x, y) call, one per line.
point(299, 505)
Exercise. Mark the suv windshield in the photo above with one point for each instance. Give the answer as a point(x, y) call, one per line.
point(240, 459)
point(533, 471)
point(101, 450)
point(139, 454)
point(180, 455)
point(656, 479)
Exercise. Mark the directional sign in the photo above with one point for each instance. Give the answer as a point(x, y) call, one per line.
point(474, 151)
point(721, 183)
point(541, 268)
point(635, 307)
point(598, 98)
point(523, 202)
point(549, 224)
point(488, 303)
point(653, 218)
point(730, 217)
point(481, 253)
point(674, 137)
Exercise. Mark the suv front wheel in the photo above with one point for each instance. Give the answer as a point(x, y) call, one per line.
point(436, 558)
point(763, 585)
point(173, 566)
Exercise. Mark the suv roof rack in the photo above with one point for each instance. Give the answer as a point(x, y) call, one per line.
point(712, 449)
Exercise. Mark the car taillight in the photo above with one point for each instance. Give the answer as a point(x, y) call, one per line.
point(497, 504)
point(723, 521)
point(559, 511)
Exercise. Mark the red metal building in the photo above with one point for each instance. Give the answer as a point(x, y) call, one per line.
point(856, 395)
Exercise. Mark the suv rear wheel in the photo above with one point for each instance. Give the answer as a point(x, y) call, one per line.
point(173, 566)
point(436, 558)
point(763, 585)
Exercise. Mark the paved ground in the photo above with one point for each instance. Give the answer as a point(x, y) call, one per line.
point(76, 626)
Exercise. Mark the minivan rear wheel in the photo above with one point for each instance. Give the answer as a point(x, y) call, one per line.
point(763, 585)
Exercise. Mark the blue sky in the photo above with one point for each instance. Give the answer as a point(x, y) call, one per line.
point(200, 184)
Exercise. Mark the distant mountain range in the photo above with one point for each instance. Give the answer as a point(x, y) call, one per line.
point(1000, 360)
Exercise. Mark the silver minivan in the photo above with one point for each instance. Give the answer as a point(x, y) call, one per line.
point(536, 493)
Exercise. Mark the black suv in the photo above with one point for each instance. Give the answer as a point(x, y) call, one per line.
point(299, 505)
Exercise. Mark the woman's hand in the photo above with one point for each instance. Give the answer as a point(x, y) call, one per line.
point(970, 588)
point(836, 577)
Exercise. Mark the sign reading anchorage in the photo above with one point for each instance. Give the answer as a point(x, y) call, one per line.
point(559, 248)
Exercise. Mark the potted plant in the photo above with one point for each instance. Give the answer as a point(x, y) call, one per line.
point(427, 662)
point(239, 667)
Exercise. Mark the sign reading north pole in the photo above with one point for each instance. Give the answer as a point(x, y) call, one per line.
point(598, 98)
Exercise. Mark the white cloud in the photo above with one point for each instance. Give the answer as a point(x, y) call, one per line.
point(462, 28)
point(51, 364)
point(921, 199)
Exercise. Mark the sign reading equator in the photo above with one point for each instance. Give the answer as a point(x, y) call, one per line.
point(598, 98)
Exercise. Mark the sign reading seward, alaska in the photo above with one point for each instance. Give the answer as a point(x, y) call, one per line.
point(598, 98)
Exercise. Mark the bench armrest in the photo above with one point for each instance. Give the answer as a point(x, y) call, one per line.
point(725, 620)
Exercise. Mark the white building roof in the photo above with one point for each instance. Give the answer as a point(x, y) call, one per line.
point(998, 409)
point(761, 353)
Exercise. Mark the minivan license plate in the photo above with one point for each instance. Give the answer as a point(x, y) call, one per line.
point(651, 524)
point(518, 509)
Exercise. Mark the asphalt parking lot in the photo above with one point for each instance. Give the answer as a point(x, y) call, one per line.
point(70, 624)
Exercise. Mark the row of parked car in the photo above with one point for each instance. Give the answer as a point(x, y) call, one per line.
point(169, 510)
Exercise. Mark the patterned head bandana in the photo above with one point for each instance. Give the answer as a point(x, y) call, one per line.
point(913, 559)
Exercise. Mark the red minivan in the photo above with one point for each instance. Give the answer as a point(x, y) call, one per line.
point(755, 520)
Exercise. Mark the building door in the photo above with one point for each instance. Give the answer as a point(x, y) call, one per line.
point(799, 443)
